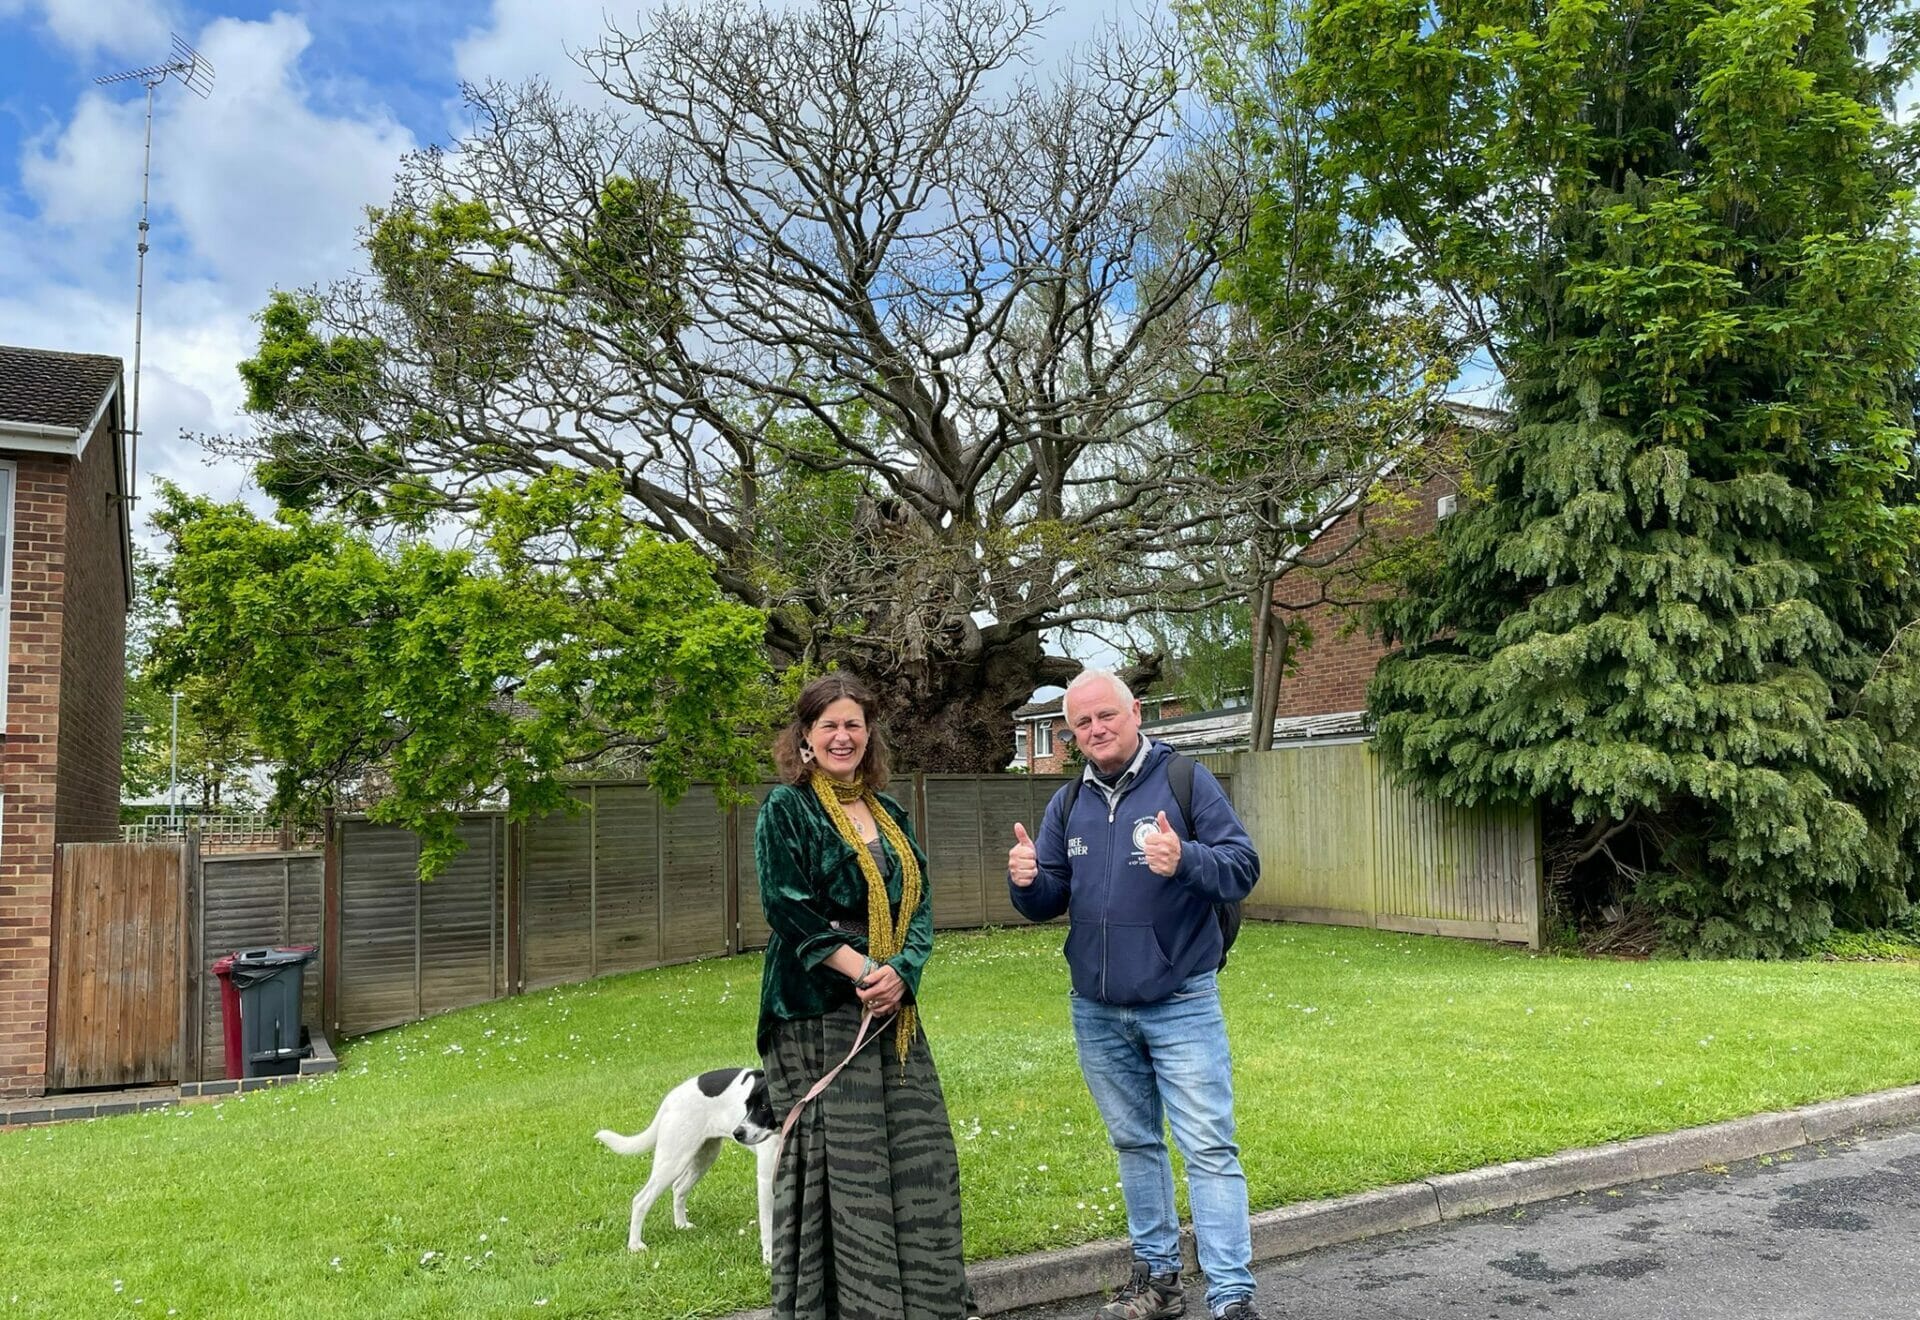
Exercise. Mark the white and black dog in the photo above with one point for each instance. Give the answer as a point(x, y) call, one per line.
point(695, 1119)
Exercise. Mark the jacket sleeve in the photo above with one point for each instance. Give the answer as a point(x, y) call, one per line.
point(912, 958)
point(788, 890)
point(1218, 862)
point(1047, 897)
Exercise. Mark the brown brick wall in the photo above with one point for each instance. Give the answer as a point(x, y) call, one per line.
point(1056, 762)
point(93, 660)
point(1333, 674)
point(28, 778)
point(60, 768)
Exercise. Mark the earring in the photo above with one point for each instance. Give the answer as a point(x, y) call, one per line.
point(806, 753)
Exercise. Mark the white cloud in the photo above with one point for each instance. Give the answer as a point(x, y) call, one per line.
point(524, 39)
point(88, 177)
point(253, 189)
point(136, 30)
point(267, 185)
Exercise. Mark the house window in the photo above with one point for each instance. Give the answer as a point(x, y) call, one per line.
point(1042, 739)
point(1019, 742)
point(7, 474)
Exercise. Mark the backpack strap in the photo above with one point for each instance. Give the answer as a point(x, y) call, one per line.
point(1179, 779)
point(1072, 791)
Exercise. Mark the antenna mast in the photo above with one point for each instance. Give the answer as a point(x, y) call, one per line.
point(192, 69)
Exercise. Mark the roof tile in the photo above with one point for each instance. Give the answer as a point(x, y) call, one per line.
point(43, 388)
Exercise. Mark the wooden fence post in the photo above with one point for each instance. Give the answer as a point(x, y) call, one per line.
point(191, 935)
point(331, 936)
point(1537, 928)
point(730, 864)
point(56, 950)
point(516, 839)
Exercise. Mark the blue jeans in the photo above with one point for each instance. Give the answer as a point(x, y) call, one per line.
point(1150, 1064)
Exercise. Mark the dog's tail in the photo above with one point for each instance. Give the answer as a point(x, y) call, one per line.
point(619, 1145)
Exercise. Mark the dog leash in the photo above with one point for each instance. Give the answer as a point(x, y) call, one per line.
point(861, 1040)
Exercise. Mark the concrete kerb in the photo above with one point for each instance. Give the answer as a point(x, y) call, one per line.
point(1058, 1276)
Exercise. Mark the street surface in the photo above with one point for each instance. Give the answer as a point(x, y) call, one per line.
point(1831, 1232)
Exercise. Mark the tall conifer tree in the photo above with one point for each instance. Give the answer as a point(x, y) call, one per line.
point(1681, 608)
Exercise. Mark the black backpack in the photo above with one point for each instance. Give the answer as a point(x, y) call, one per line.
point(1180, 780)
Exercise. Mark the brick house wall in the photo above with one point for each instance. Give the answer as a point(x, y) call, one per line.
point(1055, 764)
point(60, 768)
point(92, 653)
point(28, 778)
point(1333, 673)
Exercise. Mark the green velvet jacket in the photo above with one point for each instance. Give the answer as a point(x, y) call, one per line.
point(815, 900)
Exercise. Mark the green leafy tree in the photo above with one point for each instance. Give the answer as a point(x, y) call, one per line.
point(213, 751)
point(1342, 362)
point(433, 679)
point(1681, 611)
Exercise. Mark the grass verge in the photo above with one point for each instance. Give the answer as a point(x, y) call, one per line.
point(449, 1169)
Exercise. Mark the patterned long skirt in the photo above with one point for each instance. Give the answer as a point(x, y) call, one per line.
point(866, 1204)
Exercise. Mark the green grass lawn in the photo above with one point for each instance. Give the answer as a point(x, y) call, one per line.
point(449, 1169)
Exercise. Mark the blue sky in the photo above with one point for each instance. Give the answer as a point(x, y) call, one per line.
point(260, 186)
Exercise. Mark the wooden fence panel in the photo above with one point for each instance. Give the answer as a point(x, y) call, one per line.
point(249, 901)
point(694, 879)
point(460, 923)
point(951, 840)
point(1453, 871)
point(1003, 801)
point(119, 941)
point(1309, 810)
point(626, 878)
point(1342, 842)
point(379, 923)
point(556, 900)
point(753, 920)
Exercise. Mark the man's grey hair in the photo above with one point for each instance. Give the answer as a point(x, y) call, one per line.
point(1088, 677)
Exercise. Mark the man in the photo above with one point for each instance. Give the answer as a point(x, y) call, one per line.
point(1139, 885)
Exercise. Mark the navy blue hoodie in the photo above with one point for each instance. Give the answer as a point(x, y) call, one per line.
point(1133, 936)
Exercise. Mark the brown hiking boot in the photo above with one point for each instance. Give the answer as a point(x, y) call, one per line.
point(1146, 1296)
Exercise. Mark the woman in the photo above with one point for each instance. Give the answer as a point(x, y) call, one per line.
point(866, 1220)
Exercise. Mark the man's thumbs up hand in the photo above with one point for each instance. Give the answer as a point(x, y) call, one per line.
point(1022, 863)
point(1162, 848)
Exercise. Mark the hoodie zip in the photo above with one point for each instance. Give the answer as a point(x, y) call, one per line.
point(1106, 940)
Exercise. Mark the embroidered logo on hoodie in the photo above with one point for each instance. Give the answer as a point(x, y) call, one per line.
point(1143, 829)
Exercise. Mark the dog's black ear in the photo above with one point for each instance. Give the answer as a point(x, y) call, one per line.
point(718, 1082)
point(760, 1100)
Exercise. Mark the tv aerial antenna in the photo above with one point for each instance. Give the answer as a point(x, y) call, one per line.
point(196, 75)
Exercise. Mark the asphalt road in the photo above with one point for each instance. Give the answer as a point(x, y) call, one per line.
point(1828, 1231)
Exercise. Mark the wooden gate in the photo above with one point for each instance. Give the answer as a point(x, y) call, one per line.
point(115, 1010)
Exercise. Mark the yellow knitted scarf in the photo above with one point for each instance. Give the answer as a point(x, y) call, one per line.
point(886, 932)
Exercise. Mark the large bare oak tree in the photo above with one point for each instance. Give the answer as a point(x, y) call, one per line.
point(918, 346)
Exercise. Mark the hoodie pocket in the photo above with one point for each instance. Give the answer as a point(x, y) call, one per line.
point(1119, 963)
